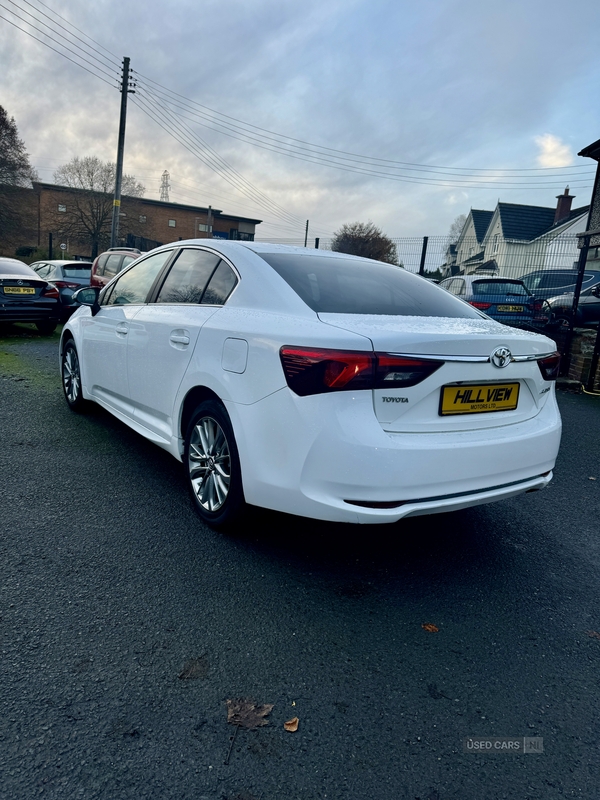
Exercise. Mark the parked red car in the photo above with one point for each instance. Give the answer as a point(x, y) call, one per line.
point(110, 263)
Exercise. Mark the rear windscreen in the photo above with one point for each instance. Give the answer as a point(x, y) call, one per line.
point(15, 268)
point(77, 272)
point(498, 288)
point(354, 286)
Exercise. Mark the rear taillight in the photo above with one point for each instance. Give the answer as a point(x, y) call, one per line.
point(549, 366)
point(480, 306)
point(66, 285)
point(314, 371)
point(399, 371)
point(50, 291)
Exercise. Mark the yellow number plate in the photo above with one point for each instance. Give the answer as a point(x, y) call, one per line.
point(510, 308)
point(18, 290)
point(478, 397)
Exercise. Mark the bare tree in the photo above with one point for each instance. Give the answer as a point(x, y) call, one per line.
point(15, 172)
point(89, 211)
point(367, 240)
point(456, 228)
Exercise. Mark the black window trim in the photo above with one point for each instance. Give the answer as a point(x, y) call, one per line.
point(157, 286)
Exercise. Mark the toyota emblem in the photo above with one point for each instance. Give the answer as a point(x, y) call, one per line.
point(501, 357)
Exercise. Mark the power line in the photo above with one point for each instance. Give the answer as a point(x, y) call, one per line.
point(284, 139)
point(228, 174)
point(193, 149)
point(10, 22)
point(456, 180)
point(62, 30)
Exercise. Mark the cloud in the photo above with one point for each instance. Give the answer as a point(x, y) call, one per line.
point(553, 151)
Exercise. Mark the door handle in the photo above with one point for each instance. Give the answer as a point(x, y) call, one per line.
point(176, 339)
point(122, 328)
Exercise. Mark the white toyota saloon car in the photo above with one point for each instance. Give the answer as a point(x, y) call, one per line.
point(315, 383)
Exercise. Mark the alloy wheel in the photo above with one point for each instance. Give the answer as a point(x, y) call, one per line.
point(71, 375)
point(209, 464)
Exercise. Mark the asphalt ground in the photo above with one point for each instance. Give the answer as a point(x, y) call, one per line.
point(126, 625)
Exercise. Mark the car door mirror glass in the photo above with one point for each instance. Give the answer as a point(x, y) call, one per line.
point(88, 296)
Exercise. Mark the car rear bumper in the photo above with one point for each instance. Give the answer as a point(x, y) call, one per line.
point(327, 458)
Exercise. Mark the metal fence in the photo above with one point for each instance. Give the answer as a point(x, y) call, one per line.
point(508, 258)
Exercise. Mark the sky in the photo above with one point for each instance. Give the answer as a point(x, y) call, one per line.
point(401, 113)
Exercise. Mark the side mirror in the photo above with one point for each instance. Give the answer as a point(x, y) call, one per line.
point(88, 297)
point(596, 290)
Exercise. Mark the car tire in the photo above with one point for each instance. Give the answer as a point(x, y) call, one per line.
point(561, 323)
point(46, 328)
point(213, 466)
point(70, 371)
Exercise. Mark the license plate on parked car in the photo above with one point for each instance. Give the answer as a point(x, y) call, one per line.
point(18, 290)
point(510, 308)
point(478, 397)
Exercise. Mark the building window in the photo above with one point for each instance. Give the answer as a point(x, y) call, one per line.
point(496, 242)
point(142, 218)
point(202, 227)
point(172, 223)
point(61, 207)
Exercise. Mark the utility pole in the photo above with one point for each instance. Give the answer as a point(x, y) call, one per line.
point(306, 234)
point(114, 231)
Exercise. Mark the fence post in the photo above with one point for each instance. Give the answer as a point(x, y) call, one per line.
point(583, 254)
point(423, 254)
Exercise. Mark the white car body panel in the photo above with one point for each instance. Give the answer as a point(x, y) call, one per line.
point(328, 455)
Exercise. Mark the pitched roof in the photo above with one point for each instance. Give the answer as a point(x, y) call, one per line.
point(481, 221)
point(524, 222)
point(474, 259)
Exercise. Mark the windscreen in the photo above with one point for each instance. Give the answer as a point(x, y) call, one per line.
point(354, 286)
point(499, 288)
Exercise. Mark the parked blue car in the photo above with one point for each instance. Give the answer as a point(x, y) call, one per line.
point(504, 299)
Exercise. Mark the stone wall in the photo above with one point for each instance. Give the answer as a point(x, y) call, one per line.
point(582, 349)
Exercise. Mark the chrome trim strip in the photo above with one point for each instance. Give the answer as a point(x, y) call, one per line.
point(480, 359)
point(471, 359)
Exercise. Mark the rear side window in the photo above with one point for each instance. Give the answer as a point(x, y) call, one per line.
point(43, 270)
point(112, 265)
point(188, 277)
point(100, 265)
point(220, 286)
point(353, 286)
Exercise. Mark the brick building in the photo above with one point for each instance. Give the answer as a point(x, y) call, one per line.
point(82, 220)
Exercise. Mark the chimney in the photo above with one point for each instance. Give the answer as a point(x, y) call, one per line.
point(563, 207)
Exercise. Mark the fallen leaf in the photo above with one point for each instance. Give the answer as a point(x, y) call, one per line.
point(194, 668)
point(429, 626)
point(246, 713)
point(291, 725)
point(592, 479)
point(593, 634)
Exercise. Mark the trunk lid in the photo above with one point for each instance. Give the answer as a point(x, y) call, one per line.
point(418, 408)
